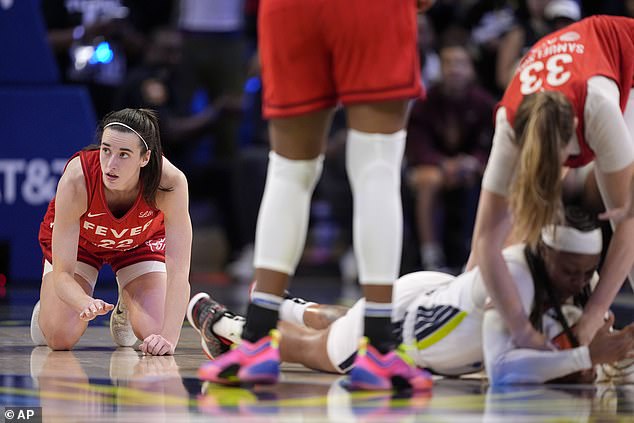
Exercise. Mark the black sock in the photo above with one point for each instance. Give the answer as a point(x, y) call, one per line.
point(378, 326)
point(259, 322)
point(379, 331)
point(262, 316)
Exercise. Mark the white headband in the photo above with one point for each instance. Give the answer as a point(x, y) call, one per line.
point(571, 240)
point(126, 126)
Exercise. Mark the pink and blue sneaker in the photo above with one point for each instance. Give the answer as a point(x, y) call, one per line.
point(246, 363)
point(374, 371)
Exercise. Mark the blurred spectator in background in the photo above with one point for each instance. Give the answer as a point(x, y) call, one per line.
point(487, 21)
point(213, 71)
point(249, 177)
point(214, 62)
point(608, 7)
point(561, 13)
point(95, 41)
point(429, 61)
point(152, 85)
point(530, 26)
point(448, 142)
point(534, 19)
point(628, 8)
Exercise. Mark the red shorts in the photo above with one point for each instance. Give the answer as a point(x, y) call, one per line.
point(317, 53)
point(151, 250)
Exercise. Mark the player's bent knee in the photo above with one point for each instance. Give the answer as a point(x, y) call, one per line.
point(305, 173)
point(372, 156)
point(61, 342)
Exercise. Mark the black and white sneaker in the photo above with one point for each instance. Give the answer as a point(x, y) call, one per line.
point(202, 313)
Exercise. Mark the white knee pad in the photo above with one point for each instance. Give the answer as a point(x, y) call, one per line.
point(284, 212)
point(344, 336)
point(373, 162)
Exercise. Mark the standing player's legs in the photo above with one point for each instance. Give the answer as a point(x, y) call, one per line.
point(375, 146)
point(55, 323)
point(298, 99)
point(294, 168)
point(375, 89)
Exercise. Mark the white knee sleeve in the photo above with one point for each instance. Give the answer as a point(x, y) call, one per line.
point(344, 336)
point(373, 162)
point(284, 212)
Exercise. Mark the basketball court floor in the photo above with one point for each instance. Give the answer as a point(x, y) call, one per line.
point(97, 382)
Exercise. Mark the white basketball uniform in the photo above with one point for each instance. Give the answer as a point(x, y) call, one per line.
point(443, 318)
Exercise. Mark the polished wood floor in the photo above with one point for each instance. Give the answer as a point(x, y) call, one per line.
point(97, 382)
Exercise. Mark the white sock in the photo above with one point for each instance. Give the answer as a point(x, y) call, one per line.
point(229, 327)
point(373, 309)
point(292, 310)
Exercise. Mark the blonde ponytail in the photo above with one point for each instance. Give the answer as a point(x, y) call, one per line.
point(544, 125)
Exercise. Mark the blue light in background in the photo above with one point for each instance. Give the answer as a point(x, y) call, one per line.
point(253, 85)
point(103, 53)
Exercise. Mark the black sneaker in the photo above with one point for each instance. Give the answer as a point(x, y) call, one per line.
point(202, 313)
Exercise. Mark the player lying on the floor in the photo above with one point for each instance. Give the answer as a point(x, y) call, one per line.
point(449, 321)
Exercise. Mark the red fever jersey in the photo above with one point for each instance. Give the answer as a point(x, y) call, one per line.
point(137, 236)
point(565, 60)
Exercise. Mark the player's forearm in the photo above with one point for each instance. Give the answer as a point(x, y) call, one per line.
point(176, 299)
point(500, 287)
point(70, 292)
point(537, 366)
point(506, 364)
point(618, 263)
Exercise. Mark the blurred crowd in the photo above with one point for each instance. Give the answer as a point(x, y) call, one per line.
point(196, 63)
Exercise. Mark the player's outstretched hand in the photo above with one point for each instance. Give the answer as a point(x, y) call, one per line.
point(530, 338)
point(94, 308)
point(609, 346)
point(588, 325)
point(157, 345)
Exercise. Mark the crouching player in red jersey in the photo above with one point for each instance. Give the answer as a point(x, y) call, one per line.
point(120, 203)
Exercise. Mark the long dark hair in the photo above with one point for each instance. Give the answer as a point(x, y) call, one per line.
point(580, 219)
point(145, 123)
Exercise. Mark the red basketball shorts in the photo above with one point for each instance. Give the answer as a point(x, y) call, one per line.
point(317, 53)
